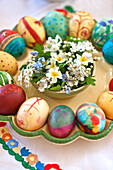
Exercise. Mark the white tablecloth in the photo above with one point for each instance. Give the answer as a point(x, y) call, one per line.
point(81, 154)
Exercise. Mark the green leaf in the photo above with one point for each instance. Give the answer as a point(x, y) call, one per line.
point(69, 9)
point(56, 88)
point(63, 83)
point(90, 81)
point(39, 49)
point(23, 67)
point(47, 54)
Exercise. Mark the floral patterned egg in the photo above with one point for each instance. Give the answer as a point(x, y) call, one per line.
point(6, 78)
point(81, 25)
point(90, 118)
point(55, 23)
point(31, 30)
point(108, 51)
point(32, 114)
point(105, 102)
point(103, 31)
point(12, 43)
point(61, 121)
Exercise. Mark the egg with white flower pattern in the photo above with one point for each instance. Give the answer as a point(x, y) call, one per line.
point(55, 23)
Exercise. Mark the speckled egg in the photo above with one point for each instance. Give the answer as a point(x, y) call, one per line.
point(90, 118)
point(81, 25)
point(32, 114)
point(55, 23)
point(6, 78)
point(12, 43)
point(8, 63)
point(61, 121)
point(105, 102)
point(102, 32)
point(11, 97)
point(108, 51)
point(31, 30)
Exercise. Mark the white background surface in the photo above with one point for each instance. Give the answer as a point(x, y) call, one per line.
point(81, 154)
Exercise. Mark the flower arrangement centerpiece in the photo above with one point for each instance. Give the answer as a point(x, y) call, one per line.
point(60, 65)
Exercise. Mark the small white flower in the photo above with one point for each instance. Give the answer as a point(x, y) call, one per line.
point(54, 74)
point(42, 86)
point(61, 57)
point(52, 63)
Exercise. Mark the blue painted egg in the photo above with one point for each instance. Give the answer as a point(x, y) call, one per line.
point(108, 51)
point(12, 43)
point(102, 32)
point(90, 118)
point(55, 23)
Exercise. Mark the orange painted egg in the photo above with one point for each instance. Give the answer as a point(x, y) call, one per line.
point(81, 25)
point(105, 102)
point(8, 63)
point(32, 114)
point(31, 30)
point(11, 97)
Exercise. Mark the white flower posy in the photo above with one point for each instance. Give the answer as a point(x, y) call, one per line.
point(69, 62)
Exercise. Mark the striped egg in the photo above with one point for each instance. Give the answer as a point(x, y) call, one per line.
point(6, 78)
point(31, 30)
point(12, 43)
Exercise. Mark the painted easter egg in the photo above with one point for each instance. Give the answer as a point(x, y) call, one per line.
point(61, 121)
point(6, 78)
point(55, 23)
point(90, 118)
point(105, 102)
point(11, 97)
point(31, 30)
point(8, 63)
point(81, 25)
point(12, 43)
point(102, 32)
point(111, 85)
point(32, 114)
point(108, 51)
point(65, 13)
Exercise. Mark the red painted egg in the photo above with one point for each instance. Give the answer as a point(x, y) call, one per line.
point(11, 97)
point(111, 85)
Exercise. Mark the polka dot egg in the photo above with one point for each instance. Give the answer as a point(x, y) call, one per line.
point(6, 78)
point(103, 31)
point(8, 63)
point(90, 118)
point(55, 23)
point(108, 51)
point(61, 121)
point(12, 43)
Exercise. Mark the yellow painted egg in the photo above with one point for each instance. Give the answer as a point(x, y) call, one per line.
point(105, 102)
point(81, 25)
point(32, 114)
point(31, 30)
point(8, 63)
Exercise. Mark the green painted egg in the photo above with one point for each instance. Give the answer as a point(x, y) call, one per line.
point(6, 78)
point(55, 23)
point(102, 32)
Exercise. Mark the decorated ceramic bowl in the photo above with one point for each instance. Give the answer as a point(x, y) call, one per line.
point(74, 135)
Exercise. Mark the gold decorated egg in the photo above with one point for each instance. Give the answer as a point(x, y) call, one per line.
point(105, 102)
point(81, 25)
point(8, 63)
point(31, 30)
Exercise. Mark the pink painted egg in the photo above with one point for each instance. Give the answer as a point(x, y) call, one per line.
point(31, 30)
point(105, 102)
point(32, 114)
point(81, 25)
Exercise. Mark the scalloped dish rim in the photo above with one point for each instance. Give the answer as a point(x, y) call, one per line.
point(67, 140)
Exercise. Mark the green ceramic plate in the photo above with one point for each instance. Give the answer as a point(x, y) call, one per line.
point(76, 133)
